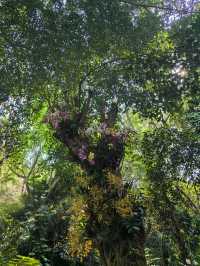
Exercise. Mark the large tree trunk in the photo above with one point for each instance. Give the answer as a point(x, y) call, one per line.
point(121, 256)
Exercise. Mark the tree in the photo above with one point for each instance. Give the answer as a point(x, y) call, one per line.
point(81, 66)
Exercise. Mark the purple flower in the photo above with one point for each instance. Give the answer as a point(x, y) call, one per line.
point(92, 162)
point(103, 126)
point(63, 115)
point(55, 124)
point(82, 152)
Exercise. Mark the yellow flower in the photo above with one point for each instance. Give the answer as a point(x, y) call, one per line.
point(91, 156)
point(88, 245)
point(123, 207)
point(114, 180)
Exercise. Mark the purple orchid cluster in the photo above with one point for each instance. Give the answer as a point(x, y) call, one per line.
point(105, 152)
point(83, 154)
point(55, 119)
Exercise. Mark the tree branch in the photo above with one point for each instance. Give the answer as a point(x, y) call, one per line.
point(164, 8)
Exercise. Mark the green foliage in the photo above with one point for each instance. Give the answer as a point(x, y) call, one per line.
point(9, 231)
point(44, 232)
point(23, 261)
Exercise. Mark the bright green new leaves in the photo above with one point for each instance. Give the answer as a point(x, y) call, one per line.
point(24, 261)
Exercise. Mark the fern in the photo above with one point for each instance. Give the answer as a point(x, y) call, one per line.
point(151, 260)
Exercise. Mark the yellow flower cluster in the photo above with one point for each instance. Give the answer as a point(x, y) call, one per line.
point(78, 247)
point(96, 194)
point(87, 247)
point(74, 237)
point(82, 181)
point(77, 228)
point(123, 207)
point(114, 180)
point(103, 207)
